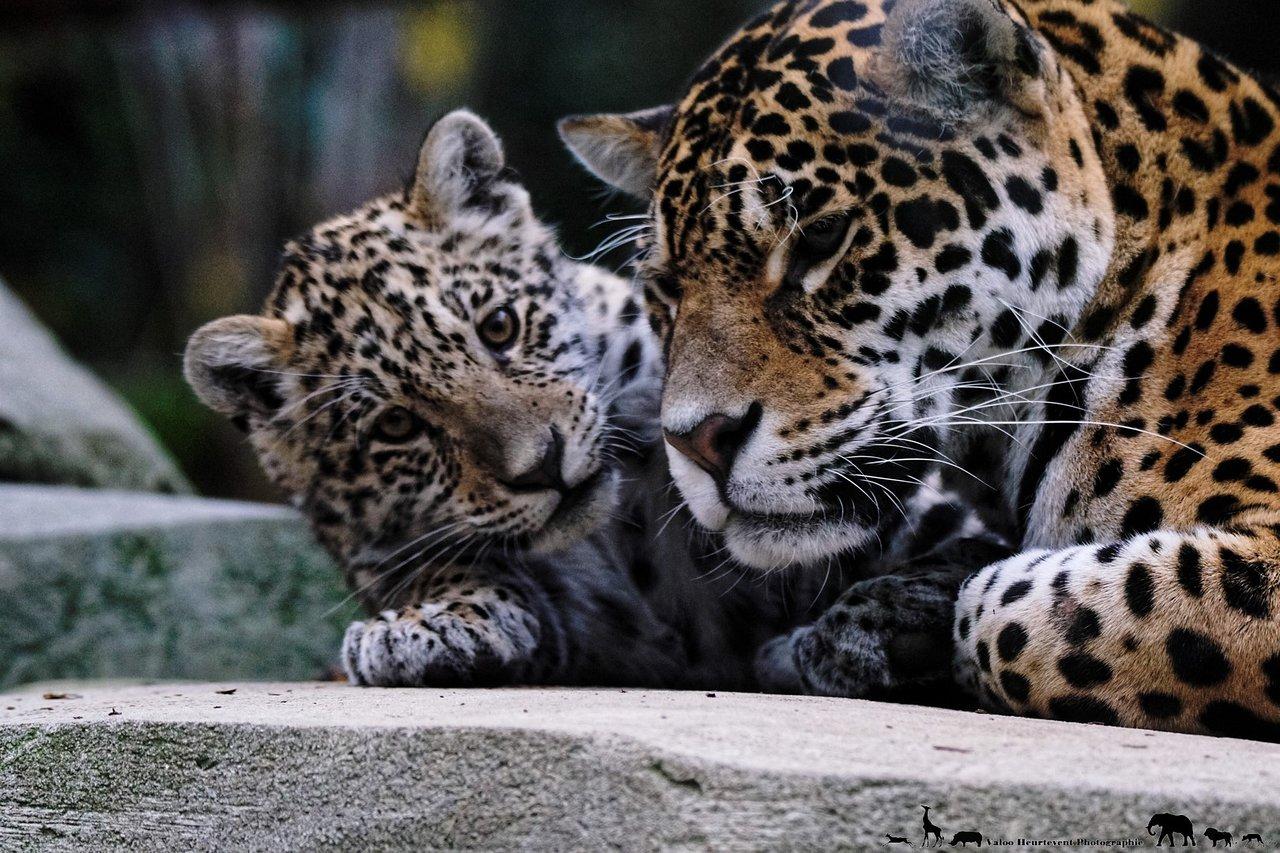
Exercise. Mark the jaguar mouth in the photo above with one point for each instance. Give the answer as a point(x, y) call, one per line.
point(845, 513)
point(790, 521)
point(572, 500)
point(582, 508)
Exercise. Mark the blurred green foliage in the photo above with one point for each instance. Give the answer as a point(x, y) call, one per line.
point(153, 160)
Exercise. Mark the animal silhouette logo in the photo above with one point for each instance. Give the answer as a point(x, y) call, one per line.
point(1216, 835)
point(964, 838)
point(1171, 825)
point(931, 829)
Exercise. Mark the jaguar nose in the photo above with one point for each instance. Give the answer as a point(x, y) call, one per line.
point(547, 473)
point(713, 444)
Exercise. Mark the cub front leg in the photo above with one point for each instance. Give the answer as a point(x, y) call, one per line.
point(1170, 630)
point(888, 636)
point(465, 633)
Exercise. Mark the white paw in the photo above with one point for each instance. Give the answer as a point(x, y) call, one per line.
point(436, 647)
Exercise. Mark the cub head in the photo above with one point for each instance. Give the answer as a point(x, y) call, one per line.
point(431, 375)
point(858, 207)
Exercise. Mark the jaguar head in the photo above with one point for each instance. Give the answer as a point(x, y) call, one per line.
point(431, 373)
point(859, 209)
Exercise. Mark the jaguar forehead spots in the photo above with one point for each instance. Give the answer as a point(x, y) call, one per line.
point(888, 232)
point(431, 375)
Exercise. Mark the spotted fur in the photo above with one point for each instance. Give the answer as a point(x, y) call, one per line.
point(890, 234)
point(452, 530)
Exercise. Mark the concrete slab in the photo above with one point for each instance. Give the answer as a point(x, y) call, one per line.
point(321, 766)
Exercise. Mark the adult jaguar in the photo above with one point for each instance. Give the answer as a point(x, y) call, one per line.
point(1042, 233)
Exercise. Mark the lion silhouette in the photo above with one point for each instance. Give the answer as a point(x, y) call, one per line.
point(1216, 835)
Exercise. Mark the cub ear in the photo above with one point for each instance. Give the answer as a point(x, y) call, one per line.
point(620, 149)
point(951, 55)
point(459, 162)
point(236, 365)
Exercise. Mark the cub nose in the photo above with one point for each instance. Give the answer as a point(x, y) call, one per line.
point(713, 444)
point(547, 473)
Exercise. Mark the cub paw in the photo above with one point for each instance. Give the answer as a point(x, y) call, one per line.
point(434, 649)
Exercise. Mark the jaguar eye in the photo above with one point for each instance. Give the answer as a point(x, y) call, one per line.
point(397, 425)
point(499, 329)
point(821, 239)
point(818, 243)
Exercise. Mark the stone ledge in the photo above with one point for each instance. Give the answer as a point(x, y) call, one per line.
point(108, 584)
point(324, 766)
point(52, 511)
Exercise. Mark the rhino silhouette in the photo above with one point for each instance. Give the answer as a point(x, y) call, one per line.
point(963, 839)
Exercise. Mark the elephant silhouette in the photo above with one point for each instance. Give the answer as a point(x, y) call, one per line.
point(1216, 835)
point(1171, 825)
point(963, 839)
point(1253, 836)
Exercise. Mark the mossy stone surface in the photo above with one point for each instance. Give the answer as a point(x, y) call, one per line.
point(108, 584)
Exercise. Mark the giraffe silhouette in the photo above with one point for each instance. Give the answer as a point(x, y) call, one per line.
point(930, 828)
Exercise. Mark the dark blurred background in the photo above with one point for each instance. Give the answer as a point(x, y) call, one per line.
point(155, 156)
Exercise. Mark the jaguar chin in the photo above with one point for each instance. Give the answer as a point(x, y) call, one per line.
point(775, 543)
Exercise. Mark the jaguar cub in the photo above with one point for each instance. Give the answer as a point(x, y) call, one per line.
point(430, 379)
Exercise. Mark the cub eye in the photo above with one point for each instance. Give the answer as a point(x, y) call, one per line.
point(397, 425)
point(818, 243)
point(499, 329)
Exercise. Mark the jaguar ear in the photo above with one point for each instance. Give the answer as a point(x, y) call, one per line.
point(951, 55)
point(236, 365)
point(459, 162)
point(620, 149)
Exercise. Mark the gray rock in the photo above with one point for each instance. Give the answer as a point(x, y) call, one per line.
point(60, 425)
point(314, 766)
point(100, 584)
